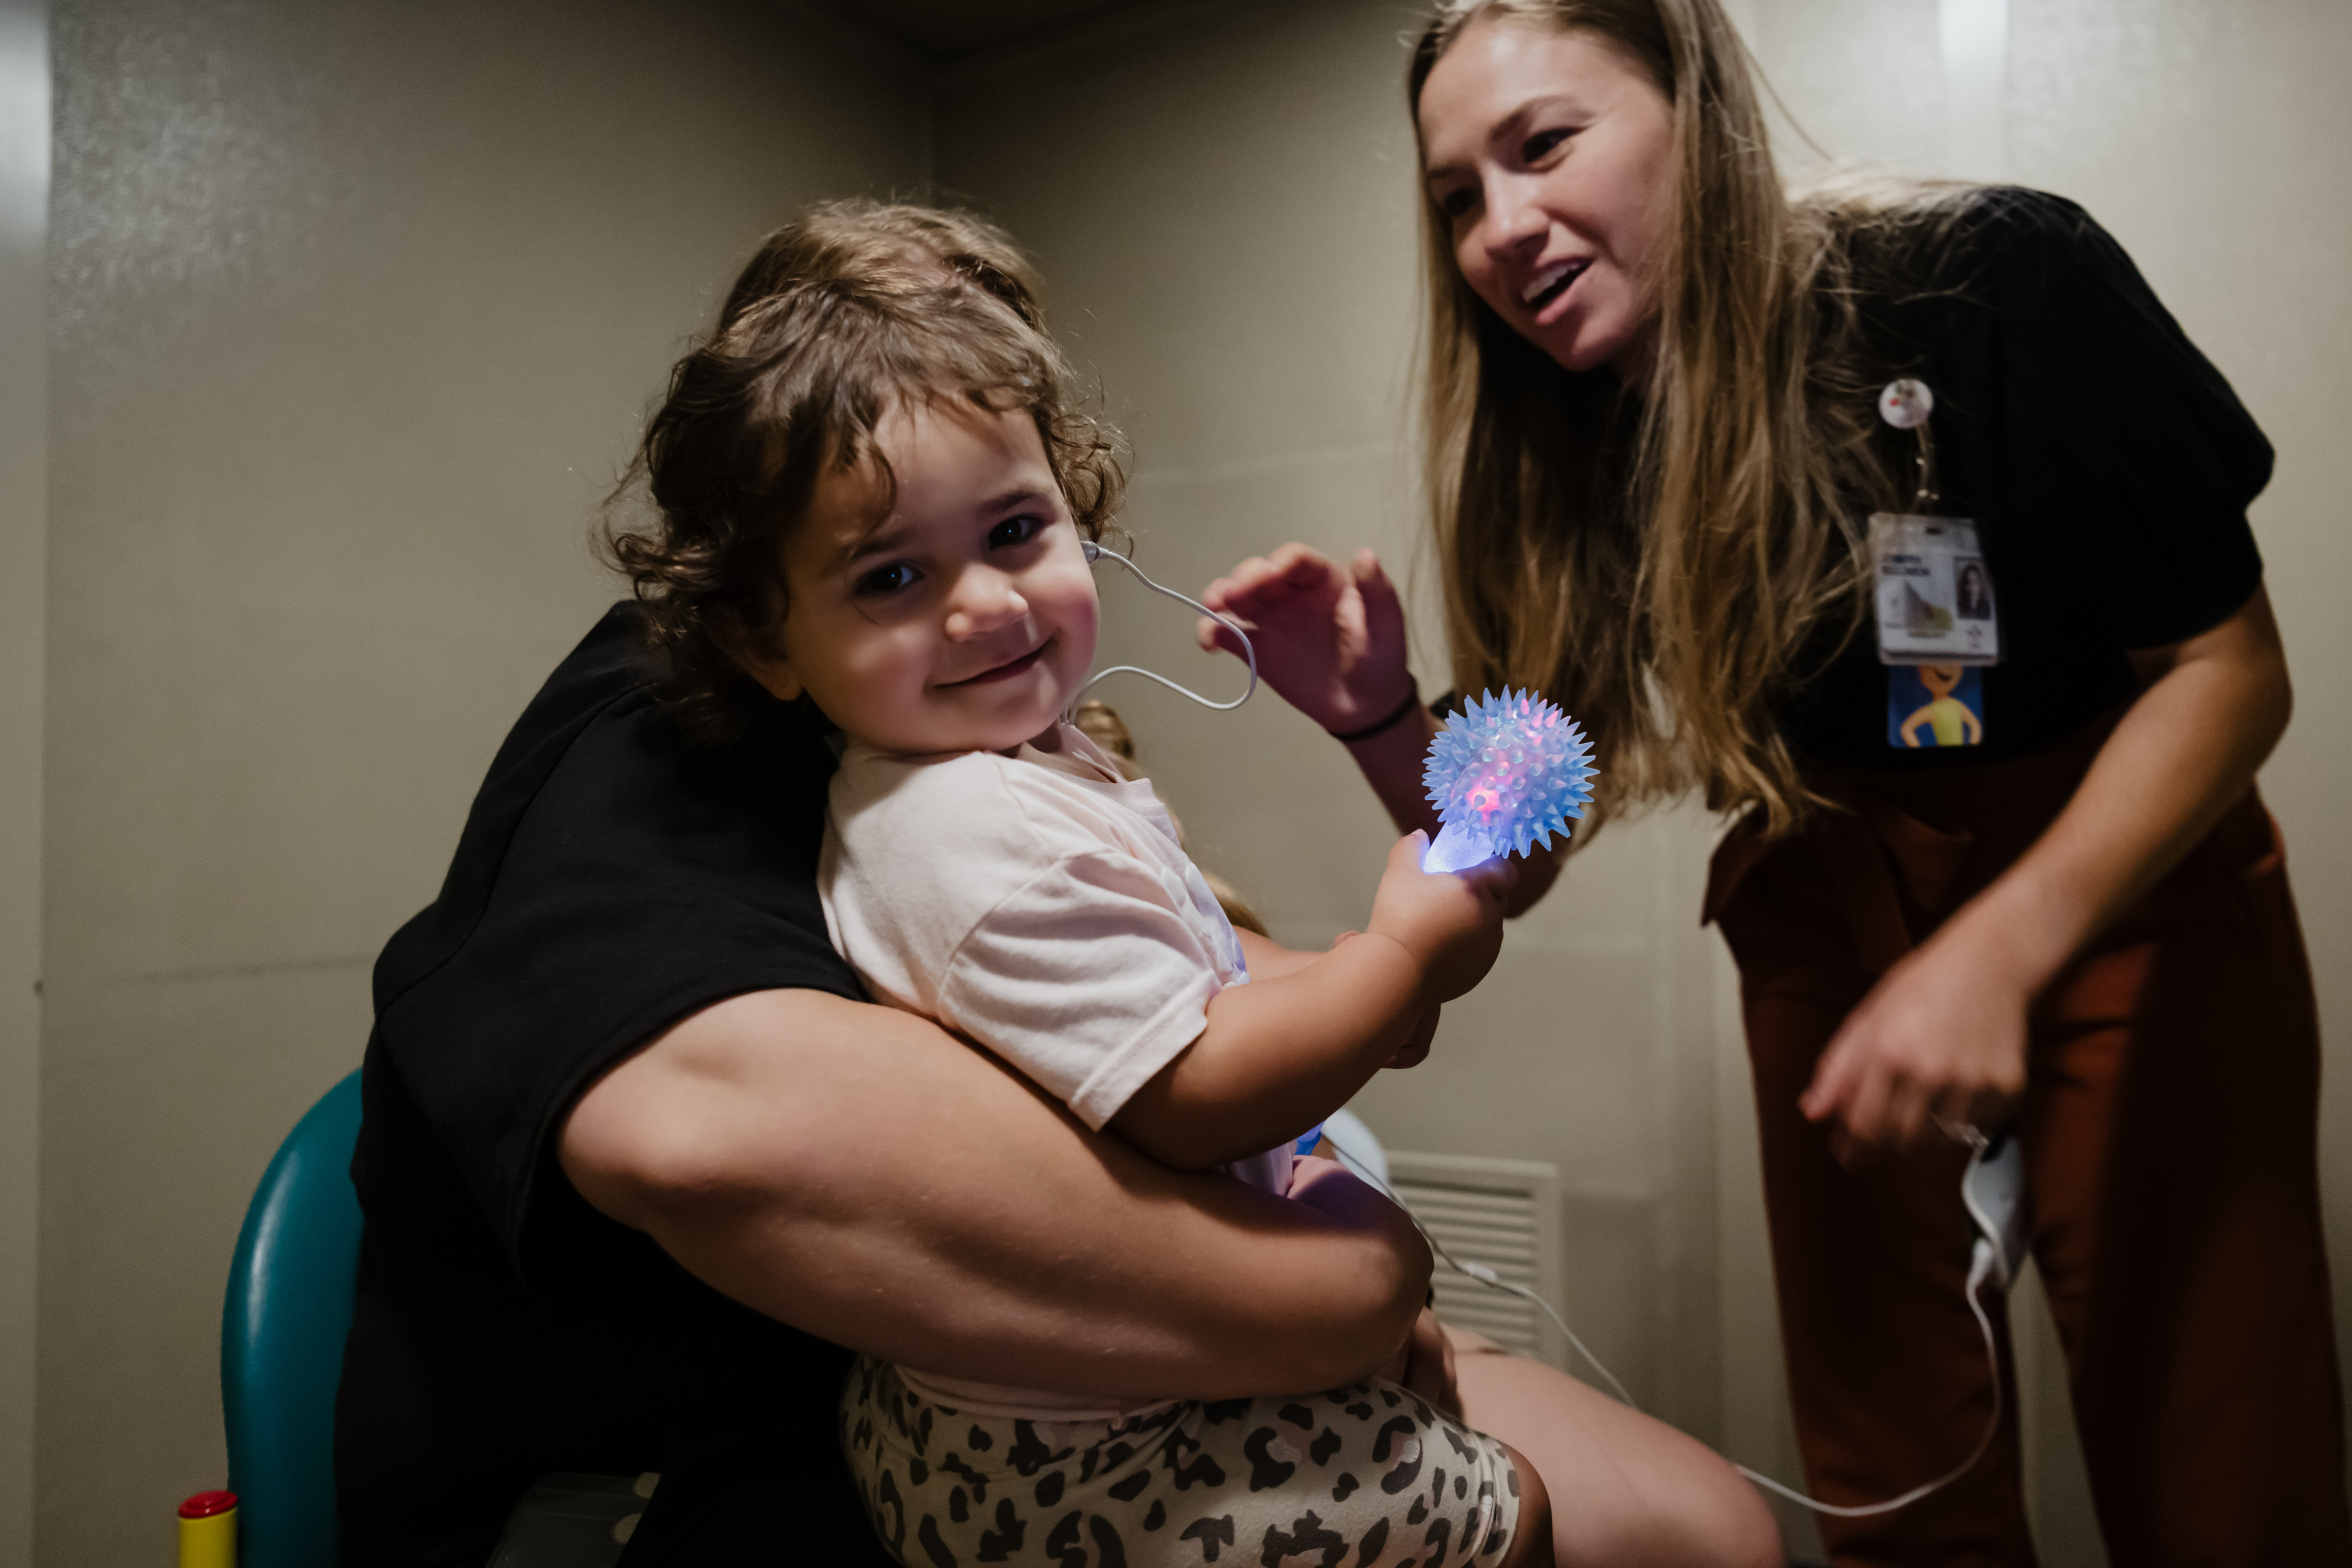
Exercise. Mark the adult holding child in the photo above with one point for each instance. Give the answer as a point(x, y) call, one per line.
point(642, 1166)
point(1654, 436)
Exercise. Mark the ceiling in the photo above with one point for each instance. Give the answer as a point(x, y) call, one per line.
point(946, 29)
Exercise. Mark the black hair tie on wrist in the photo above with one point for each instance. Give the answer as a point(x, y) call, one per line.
point(1412, 701)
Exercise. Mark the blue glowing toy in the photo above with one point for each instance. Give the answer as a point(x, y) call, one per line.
point(1506, 771)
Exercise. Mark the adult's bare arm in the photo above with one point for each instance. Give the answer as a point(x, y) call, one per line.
point(1944, 1034)
point(855, 1172)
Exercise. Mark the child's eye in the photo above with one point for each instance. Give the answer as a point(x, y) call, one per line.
point(1014, 531)
point(883, 580)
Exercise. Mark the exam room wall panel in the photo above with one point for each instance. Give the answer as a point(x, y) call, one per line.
point(356, 308)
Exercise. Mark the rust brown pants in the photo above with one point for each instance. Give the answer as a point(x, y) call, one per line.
point(2170, 1132)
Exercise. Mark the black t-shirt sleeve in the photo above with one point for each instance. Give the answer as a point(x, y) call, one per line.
point(2117, 431)
point(611, 879)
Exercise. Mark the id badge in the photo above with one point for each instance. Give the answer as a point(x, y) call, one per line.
point(1931, 591)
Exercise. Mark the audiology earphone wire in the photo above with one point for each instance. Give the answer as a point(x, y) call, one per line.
point(1980, 1265)
point(1097, 552)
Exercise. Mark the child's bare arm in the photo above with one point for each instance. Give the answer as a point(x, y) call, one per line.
point(1268, 959)
point(1285, 1050)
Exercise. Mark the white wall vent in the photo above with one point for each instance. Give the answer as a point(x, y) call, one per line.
point(1504, 1214)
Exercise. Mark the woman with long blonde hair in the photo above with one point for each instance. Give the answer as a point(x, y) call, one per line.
point(1707, 463)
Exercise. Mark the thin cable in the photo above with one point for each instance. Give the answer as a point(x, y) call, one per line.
point(1979, 1265)
point(1249, 650)
point(1976, 1276)
point(1485, 1275)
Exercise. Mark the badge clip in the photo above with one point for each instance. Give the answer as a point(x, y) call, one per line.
point(1905, 403)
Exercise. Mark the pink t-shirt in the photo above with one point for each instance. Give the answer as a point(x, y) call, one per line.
point(1040, 904)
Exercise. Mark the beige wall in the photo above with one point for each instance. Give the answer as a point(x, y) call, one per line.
point(1220, 196)
point(24, 394)
point(355, 311)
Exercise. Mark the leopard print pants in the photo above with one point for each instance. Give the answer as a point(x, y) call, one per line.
point(1367, 1477)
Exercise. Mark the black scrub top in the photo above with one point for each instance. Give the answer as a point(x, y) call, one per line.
point(611, 879)
point(2105, 462)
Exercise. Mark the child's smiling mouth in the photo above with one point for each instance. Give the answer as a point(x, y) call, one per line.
point(1003, 671)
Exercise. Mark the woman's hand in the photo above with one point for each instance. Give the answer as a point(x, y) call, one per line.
point(1331, 639)
point(1943, 1034)
point(1938, 1043)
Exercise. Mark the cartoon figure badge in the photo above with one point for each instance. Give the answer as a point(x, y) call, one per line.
point(1934, 705)
point(1505, 773)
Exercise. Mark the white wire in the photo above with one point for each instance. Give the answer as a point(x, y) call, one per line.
point(1863, 1511)
point(1485, 1275)
point(1249, 650)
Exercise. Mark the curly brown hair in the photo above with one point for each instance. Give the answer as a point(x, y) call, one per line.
point(852, 310)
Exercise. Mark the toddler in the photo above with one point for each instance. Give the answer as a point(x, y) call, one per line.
point(988, 866)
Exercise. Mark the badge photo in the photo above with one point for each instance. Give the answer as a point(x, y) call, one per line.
point(1931, 591)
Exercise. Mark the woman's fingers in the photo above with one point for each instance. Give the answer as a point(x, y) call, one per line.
point(1905, 1117)
point(1832, 1076)
point(1383, 609)
point(1263, 580)
point(1220, 595)
point(1215, 636)
point(1862, 1116)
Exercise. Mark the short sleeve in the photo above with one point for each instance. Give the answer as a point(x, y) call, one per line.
point(1087, 978)
point(2119, 433)
point(612, 879)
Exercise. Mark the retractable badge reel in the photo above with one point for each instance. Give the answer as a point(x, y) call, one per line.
point(1932, 594)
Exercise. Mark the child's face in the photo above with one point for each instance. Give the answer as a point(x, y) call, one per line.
point(966, 619)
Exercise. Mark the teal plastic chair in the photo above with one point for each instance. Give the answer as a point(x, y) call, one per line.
point(289, 1311)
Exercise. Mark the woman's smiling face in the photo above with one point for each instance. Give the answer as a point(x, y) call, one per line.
point(962, 620)
point(1551, 157)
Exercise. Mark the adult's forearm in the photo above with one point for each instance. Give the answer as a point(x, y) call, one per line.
point(856, 1173)
point(1391, 761)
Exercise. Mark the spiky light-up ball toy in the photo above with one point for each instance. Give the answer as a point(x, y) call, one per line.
point(1506, 771)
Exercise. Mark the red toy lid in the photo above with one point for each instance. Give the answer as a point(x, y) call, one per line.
point(204, 1505)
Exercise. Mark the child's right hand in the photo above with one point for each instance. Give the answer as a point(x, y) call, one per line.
point(1452, 921)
